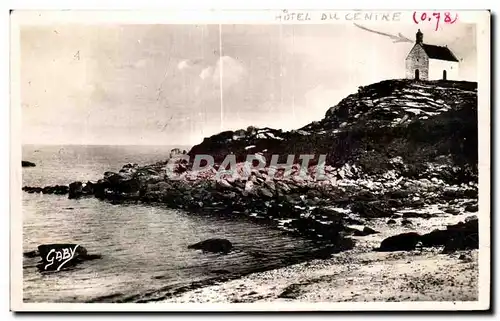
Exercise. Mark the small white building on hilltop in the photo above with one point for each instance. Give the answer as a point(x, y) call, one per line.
point(430, 62)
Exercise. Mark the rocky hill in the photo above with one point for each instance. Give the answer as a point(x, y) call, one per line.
point(423, 124)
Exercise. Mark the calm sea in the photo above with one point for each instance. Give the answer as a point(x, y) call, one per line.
point(144, 248)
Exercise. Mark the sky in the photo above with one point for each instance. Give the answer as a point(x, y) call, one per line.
point(176, 84)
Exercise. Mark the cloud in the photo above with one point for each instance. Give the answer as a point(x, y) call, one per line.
point(207, 72)
point(188, 63)
point(230, 69)
point(183, 64)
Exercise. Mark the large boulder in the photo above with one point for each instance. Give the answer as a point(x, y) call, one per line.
point(27, 164)
point(56, 189)
point(460, 236)
point(114, 185)
point(371, 210)
point(32, 189)
point(311, 228)
point(213, 245)
point(400, 242)
point(79, 189)
point(75, 190)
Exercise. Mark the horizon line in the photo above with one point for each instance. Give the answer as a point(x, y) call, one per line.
point(72, 144)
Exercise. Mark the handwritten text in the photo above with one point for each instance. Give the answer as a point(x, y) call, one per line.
point(434, 17)
point(60, 257)
point(290, 16)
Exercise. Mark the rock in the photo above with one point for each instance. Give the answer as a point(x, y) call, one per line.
point(79, 189)
point(460, 236)
point(406, 222)
point(327, 214)
point(56, 189)
point(31, 254)
point(121, 183)
point(223, 184)
point(174, 152)
point(31, 189)
point(56, 257)
point(370, 210)
point(391, 221)
point(461, 193)
point(290, 292)
point(418, 215)
point(129, 169)
point(471, 208)
point(399, 194)
point(366, 231)
point(400, 242)
point(435, 238)
point(313, 229)
point(365, 196)
point(27, 164)
point(394, 203)
point(471, 218)
point(213, 245)
point(465, 258)
point(265, 192)
point(75, 190)
point(452, 211)
point(358, 233)
point(88, 188)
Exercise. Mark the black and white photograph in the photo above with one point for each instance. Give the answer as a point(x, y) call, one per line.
point(250, 160)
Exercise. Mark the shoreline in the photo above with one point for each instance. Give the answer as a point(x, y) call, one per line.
point(419, 275)
point(342, 217)
point(298, 280)
point(401, 276)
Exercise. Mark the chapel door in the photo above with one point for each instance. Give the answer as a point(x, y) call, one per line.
point(417, 74)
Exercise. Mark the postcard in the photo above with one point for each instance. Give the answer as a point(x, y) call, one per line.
point(250, 160)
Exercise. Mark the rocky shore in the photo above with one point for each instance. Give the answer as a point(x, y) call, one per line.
point(399, 154)
point(318, 211)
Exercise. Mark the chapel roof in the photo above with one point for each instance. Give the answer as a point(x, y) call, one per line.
point(438, 52)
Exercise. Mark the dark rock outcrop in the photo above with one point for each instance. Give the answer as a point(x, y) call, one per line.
point(56, 189)
point(371, 210)
point(213, 245)
point(471, 208)
point(79, 189)
point(461, 236)
point(32, 189)
point(400, 242)
point(27, 164)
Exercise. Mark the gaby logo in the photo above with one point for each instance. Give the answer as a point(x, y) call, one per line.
point(60, 257)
